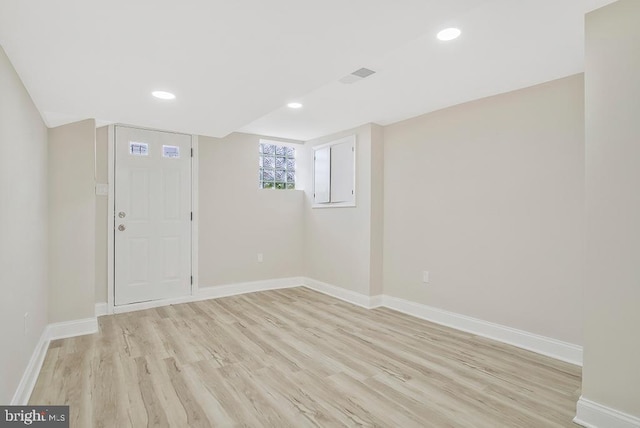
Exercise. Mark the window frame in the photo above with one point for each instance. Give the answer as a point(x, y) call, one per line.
point(345, 204)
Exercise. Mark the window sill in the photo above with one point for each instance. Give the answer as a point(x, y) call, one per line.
point(335, 205)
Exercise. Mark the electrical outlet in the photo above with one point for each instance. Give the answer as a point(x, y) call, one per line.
point(26, 319)
point(102, 189)
point(260, 258)
point(425, 276)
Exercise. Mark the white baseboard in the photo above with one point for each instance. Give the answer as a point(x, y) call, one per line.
point(522, 339)
point(214, 292)
point(376, 301)
point(30, 375)
point(540, 344)
point(101, 309)
point(594, 415)
point(51, 332)
point(62, 330)
point(342, 293)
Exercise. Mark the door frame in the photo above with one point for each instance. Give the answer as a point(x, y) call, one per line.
point(111, 308)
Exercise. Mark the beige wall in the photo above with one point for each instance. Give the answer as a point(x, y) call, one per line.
point(72, 221)
point(611, 374)
point(23, 228)
point(237, 220)
point(488, 197)
point(338, 241)
point(102, 176)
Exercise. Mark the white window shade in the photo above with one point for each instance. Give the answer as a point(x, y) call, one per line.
point(342, 172)
point(322, 176)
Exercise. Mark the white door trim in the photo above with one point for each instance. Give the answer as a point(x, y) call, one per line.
point(111, 214)
point(111, 219)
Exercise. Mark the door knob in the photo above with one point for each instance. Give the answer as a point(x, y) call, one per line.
point(121, 227)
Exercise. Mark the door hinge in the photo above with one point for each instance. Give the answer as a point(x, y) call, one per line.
point(352, 192)
point(191, 215)
point(191, 152)
point(191, 279)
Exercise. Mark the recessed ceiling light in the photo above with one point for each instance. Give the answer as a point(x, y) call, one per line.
point(448, 34)
point(294, 105)
point(163, 95)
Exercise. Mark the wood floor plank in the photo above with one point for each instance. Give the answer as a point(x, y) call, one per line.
point(298, 398)
point(236, 406)
point(297, 358)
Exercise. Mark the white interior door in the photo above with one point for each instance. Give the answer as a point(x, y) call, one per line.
point(152, 215)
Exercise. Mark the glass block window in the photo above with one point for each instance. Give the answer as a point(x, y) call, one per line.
point(277, 166)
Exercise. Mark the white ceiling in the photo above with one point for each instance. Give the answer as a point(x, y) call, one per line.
point(234, 64)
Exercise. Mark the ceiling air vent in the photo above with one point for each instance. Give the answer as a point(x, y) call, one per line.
point(357, 75)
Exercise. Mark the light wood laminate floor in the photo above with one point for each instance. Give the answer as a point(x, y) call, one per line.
point(297, 358)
